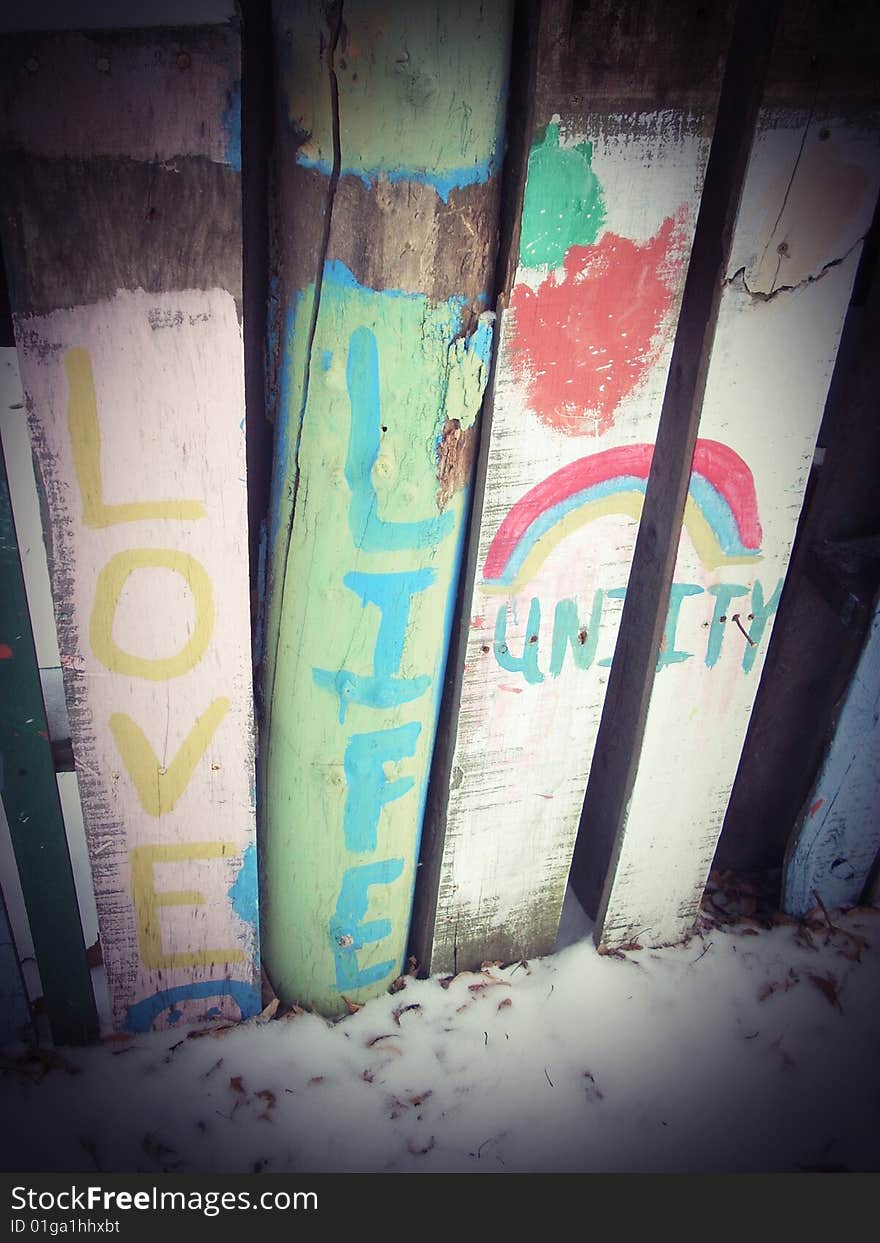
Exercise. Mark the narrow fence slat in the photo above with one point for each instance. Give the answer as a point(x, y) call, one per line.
point(15, 1012)
point(810, 192)
point(835, 844)
point(391, 126)
point(122, 221)
point(33, 810)
point(622, 124)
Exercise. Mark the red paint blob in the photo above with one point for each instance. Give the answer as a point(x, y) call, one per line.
point(587, 337)
point(5, 651)
point(820, 802)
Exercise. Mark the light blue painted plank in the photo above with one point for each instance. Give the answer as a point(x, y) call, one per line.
point(838, 837)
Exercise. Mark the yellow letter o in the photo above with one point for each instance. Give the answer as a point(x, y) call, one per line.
point(112, 579)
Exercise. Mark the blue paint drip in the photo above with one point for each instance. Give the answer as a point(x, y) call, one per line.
point(348, 934)
point(369, 790)
point(444, 183)
point(391, 594)
point(480, 341)
point(143, 1014)
point(326, 360)
point(231, 122)
point(369, 691)
point(368, 530)
point(243, 892)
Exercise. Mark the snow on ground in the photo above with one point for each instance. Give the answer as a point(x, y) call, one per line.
point(747, 1049)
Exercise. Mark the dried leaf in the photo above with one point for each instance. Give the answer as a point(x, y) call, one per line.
point(214, 1029)
point(398, 984)
point(827, 986)
point(352, 1006)
point(268, 1097)
point(395, 1014)
point(237, 1084)
point(421, 1097)
point(420, 1152)
point(505, 1002)
point(268, 1012)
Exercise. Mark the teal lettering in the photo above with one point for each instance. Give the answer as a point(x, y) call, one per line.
point(669, 655)
point(348, 933)
point(568, 632)
point(527, 664)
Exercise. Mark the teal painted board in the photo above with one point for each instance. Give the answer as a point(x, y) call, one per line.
point(835, 843)
point(15, 1013)
point(386, 231)
point(30, 799)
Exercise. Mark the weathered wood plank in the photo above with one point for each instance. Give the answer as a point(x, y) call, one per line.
point(810, 192)
point(624, 107)
point(32, 808)
point(835, 844)
point(122, 219)
point(392, 119)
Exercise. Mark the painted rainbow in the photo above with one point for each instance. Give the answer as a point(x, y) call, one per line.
point(721, 511)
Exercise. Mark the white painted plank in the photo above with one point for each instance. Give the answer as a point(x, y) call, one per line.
point(163, 643)
point(594, 320)
point(809, 197)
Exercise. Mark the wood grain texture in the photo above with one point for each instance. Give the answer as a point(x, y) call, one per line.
point(835, 844)
point(783, 302)
point(392, 119)
point(130, 344)
point(613, 185)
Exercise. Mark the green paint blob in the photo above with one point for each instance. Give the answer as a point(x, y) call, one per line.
point(564, 205)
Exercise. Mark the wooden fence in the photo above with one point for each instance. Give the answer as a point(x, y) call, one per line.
point(541, 303)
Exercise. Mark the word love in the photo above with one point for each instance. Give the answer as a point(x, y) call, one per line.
point(156, 784)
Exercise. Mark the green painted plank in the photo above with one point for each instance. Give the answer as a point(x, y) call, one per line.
point(33, 809)
point(395, 117)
